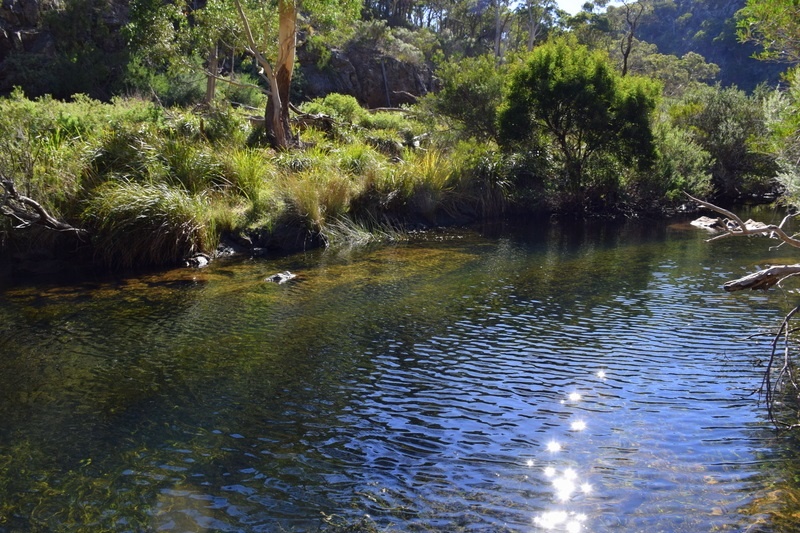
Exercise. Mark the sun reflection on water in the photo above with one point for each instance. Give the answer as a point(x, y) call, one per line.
point(578, 425)
point(567, 484)
point(553, 446)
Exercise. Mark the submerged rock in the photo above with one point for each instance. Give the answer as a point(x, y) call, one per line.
point(281, 277)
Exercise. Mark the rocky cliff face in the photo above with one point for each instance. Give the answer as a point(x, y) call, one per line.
point(20, 22)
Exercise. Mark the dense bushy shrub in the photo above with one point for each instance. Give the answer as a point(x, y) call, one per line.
point(471, 91)
point(571, 103)
point(725, 122)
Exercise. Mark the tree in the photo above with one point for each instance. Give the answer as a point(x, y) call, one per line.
point(539, 15)
point(471, 90)
point(774, 25)
point(725, 122)
point(278, 72)
point(574, 97)
point(632, 12)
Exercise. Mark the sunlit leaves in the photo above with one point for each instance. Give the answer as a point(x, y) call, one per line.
point(775, 25)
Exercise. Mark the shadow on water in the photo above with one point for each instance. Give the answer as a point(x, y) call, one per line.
point(541, 377)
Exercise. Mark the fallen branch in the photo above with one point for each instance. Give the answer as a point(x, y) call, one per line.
point(735, 227)
point(770, 384)
point(27, 212)
point(763, 279)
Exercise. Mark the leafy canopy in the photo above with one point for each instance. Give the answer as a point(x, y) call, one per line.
point(575, 98)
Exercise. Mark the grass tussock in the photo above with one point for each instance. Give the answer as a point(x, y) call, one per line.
point(136, 224)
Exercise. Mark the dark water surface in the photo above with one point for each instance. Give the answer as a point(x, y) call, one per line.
point(549, 378)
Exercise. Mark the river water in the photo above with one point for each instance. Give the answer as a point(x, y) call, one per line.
point(541, 377)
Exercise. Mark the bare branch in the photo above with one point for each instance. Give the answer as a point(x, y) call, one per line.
point(738, 228)
point(29, 212)
point(763, 279)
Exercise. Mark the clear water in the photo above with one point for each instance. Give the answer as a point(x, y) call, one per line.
point(541, 378)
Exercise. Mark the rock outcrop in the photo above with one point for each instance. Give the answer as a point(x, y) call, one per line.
point(373, 78)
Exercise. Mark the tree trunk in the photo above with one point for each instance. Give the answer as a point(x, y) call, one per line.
point(276, 114)
point(277, 111)
point(211, 77)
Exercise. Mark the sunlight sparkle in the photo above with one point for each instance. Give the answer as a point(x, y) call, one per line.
point(578, 425)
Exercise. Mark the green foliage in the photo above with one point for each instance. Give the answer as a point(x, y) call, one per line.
point(676, 74)
point(319, 195)
point(45, 146)
point(726, 123)
point(393, 42)
point(682, 166)
point(138, 224)
point(253, 176)
point(245, 92)
point(471, 91)
point(173, 87)
point(774, 25)
point(707, 28)
point(573, 99)
point(342, 107)
point(782, 116)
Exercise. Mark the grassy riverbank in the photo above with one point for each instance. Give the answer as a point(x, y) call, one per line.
point(153, 185)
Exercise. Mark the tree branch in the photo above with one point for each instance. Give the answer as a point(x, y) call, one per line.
point(763, 279)
point(737, 228)
point(28, 211)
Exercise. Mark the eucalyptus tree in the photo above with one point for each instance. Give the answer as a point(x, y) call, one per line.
point(631, 13)
point(171, 34)
point(274, 49)
point(539, 16)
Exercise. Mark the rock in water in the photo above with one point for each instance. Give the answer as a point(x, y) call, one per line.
point(281, 277)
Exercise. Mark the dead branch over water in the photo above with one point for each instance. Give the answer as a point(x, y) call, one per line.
point(777, 383)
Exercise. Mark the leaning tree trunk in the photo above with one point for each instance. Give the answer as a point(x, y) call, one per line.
point(276, 114)
point(211, 76)
point(277, 111)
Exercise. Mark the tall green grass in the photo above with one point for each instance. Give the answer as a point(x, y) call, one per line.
point(254, 178)
point(318, 196)
point(156, 185)
point(142, 224)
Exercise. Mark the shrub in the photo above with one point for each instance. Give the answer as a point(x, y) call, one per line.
point(471, 91)
point(339, 106)
point(725, 122)
point(682, 166)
